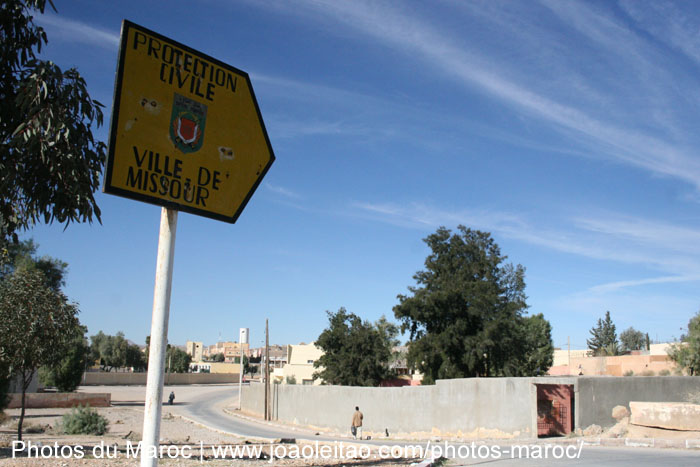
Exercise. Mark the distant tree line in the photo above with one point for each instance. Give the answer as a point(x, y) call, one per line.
point(604, 341)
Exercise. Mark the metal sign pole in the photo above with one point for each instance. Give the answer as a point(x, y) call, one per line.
point(242, 339)
point(159, 338)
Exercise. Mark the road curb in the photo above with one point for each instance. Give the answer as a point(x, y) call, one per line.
point(244, 437)
point(690, 444)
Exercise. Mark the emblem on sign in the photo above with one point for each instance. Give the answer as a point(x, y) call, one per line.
point(187, 124)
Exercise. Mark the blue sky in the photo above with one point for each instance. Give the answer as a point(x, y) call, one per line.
point(569, 130)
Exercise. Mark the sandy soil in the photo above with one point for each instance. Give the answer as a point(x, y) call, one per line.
point(179, 437)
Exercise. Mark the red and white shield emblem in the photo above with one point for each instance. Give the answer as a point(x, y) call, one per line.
point(187, 130)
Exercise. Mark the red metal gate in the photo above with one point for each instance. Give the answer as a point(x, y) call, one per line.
point(554, 409)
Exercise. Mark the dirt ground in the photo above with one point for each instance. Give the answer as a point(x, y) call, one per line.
point(179, 438)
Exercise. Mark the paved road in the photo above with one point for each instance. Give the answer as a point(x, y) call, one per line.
point(207, 406)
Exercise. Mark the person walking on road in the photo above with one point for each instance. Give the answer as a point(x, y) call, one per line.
point(356, 423)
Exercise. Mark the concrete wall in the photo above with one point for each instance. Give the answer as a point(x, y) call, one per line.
point(475, 407)
point(598, 396)
point(139, 379)
point(62, 399)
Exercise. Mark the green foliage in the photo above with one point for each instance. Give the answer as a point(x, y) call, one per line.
point(66, 374)
point(631, 339)
point(115, 352)
point(22, 255)
point(218, 357)
point(178, 360)
point(686, 354)
point(665, 372)
point(603, 341)
point(465, 317)
point(356, 352)
point(37, 324)
point(291, 379)
point(629, 373)
point(246, 363)
point(50, 163)
point(84, 421)
point(538, 349)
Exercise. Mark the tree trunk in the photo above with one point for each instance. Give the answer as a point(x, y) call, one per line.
point(25, 384)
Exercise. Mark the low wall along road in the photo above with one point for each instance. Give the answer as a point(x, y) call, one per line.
point(473, 407)
point(139, 379)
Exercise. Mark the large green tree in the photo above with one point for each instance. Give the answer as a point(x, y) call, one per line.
point(50, 162)
point(686, 354)
point(177, 360)
point(538, 349)
point(631, 339)
point(355, 352)
point(22, 256)
point(465, 316)
point(37, 324)
point(603, 341)
point(114, 352)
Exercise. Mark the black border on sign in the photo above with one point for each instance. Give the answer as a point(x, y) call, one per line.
point(108, 188)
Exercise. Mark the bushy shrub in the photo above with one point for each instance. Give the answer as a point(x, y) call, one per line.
point(629, 373)
point(291, 379)
point(84, 421)
point(664, 372)
point(34, 429)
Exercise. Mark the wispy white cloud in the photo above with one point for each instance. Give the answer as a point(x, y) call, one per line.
point(644, 232)
point(648, 312)
point(614, 286)
point(667, 23)
point(283, 128)
point(422, 216)
point(618, 140)
point(283, 191)
point(608, 237)
point(78, 31)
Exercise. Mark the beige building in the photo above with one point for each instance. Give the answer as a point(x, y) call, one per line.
point(561, 357)
point(300, 364)
point(194, 349)
point(645, 363)
point(231, 350)
point(278, 355)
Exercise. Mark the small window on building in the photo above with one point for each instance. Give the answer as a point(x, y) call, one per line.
point(307, 382)
point(309, 361)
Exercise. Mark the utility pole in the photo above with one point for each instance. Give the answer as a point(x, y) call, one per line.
point(267, 372)
point(242, 339)
point(568, 344)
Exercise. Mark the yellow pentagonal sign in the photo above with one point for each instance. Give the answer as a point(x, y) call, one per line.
point(186, 130)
